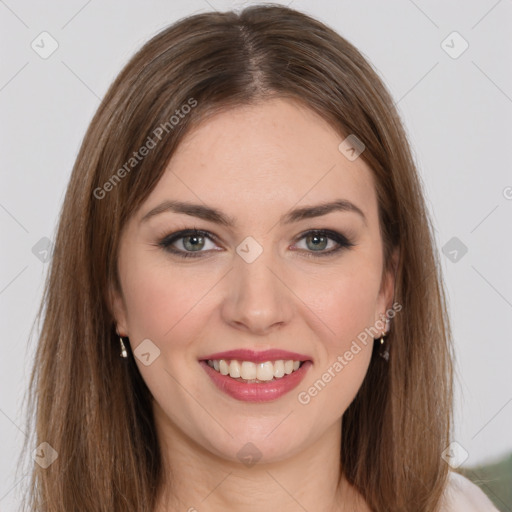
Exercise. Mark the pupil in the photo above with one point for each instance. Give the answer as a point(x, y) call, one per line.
point(318, 241)
point(195, 244)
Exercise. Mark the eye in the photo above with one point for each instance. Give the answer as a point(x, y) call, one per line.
point(317, 241)
point(188, 242)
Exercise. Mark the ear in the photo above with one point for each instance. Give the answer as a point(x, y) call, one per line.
point(385, 299)
point(118, 308)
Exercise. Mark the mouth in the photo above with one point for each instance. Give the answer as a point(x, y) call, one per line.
point(256, 376)
point(254, 373)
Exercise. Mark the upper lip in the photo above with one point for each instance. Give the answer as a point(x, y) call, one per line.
point(259, 356)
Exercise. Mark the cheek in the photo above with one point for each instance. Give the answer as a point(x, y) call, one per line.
point(157, 299)
point(345, 300)
point(345, 349)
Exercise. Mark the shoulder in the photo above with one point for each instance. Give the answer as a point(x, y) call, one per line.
point(462, 495)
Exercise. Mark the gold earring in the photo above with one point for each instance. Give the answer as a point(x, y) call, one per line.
point(124, 353)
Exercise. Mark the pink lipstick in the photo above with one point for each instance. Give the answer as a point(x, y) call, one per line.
point(255, 390)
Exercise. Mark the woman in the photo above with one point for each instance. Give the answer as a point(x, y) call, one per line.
point(244, 309)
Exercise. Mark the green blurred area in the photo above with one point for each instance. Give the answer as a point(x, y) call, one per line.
point(495, 480)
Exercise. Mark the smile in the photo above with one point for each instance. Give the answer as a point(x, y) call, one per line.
point(249, 372)
point(256, 375)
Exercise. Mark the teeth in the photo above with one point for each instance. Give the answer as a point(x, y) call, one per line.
point(234, 369)
point(279, 369)
point(250, 371)
point(223, 367)
point(265, 371)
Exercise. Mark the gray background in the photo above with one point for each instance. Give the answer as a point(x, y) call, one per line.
point(457, 112)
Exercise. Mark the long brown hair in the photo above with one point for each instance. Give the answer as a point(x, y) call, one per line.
point(91, 406)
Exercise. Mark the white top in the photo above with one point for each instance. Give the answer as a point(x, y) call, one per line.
point(462, 495)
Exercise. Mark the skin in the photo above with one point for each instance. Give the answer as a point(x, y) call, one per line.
point(254, 163)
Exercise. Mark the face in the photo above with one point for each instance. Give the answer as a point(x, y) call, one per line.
point(254, 277)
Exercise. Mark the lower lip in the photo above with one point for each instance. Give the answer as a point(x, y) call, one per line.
point(263, 392)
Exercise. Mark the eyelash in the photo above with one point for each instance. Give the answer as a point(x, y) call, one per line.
point(166, 243)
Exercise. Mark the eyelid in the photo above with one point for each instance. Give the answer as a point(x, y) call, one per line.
point(167, 240)
point(331, 233)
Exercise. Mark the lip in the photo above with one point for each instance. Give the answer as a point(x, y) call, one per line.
point(262, 392)
point(256, 356)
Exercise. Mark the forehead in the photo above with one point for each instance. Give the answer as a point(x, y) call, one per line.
point(273, 154)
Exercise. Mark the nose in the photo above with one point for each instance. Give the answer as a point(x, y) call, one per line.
point(257, 297)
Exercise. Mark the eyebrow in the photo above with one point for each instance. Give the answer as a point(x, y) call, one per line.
point(216, 216)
